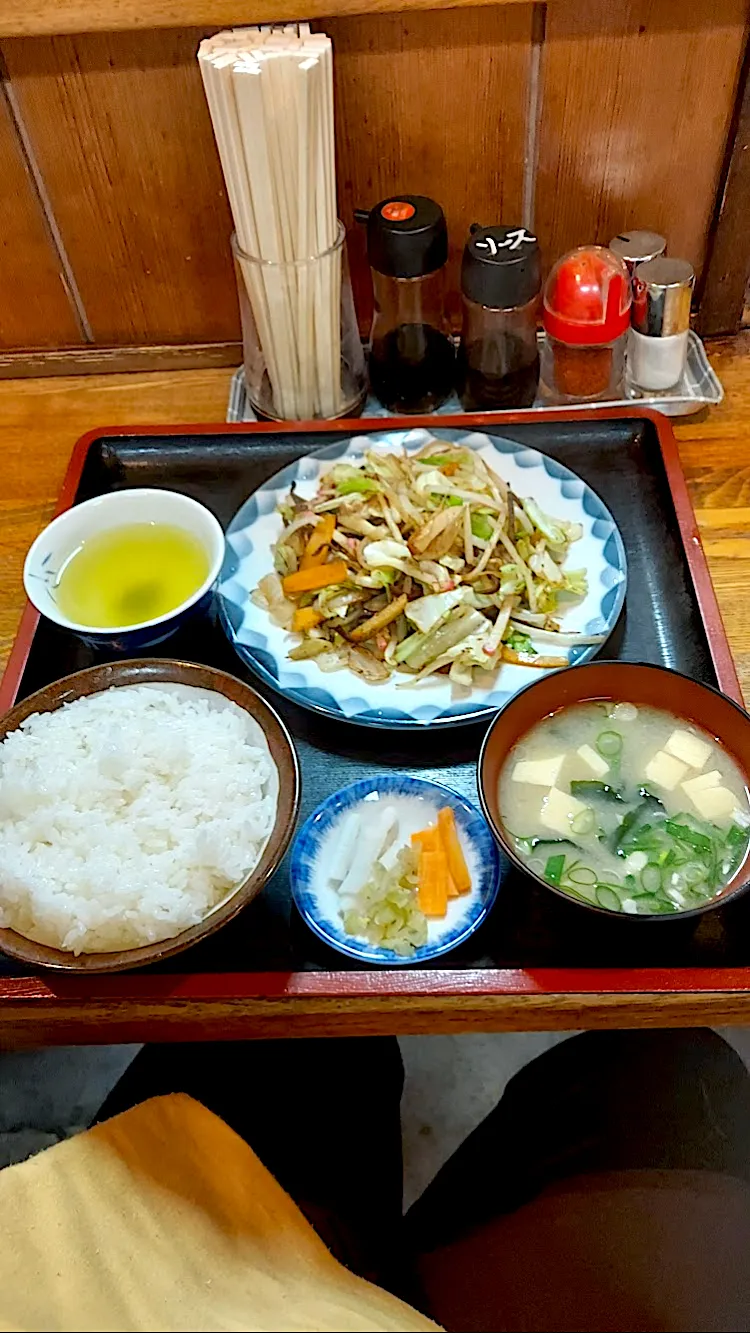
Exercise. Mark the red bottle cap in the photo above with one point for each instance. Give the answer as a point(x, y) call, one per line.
point(587, 297)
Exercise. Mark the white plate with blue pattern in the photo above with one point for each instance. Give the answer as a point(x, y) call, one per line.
point(398, 702)
point(418, 802)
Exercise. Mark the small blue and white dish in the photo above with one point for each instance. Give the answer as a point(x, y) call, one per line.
point(66, 533)
point(400, 703)
point(417, 803)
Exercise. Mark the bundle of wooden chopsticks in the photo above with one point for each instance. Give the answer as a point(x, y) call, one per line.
point(270, 94)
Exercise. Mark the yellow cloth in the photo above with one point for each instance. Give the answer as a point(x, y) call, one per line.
point(164, 1219)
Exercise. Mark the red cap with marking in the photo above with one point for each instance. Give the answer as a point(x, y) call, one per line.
point(407, 236)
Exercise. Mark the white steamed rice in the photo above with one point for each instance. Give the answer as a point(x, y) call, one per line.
point(126, 816)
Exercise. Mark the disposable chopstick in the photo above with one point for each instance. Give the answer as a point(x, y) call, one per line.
point(270, 95)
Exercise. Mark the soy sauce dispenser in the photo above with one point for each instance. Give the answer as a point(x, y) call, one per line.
point(412, 358)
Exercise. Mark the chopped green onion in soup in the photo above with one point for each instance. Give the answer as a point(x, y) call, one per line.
point(649, 813)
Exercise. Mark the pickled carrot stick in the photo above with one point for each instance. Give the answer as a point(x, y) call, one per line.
point(457, 866)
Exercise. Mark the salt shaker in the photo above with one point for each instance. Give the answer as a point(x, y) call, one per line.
point(637, 247)
point(662, 291)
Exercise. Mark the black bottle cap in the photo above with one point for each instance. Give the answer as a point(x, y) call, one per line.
point(501, 267)
point(407, 236)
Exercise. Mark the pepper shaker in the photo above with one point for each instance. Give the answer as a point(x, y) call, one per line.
point(661, 319)
point(498, 358)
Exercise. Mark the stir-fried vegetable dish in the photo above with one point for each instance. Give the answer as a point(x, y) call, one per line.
point(419, 563)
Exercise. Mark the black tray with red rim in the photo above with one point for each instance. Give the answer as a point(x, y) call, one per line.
point(532, 942)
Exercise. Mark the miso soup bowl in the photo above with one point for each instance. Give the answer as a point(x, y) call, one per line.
point(57, 542)
point(657, 687)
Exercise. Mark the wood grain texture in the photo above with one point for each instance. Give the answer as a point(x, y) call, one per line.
point(91, 1022)
point(100, 360)
point(727, 268)
point(40, 17)
point(221, 1006)
point(40, 421)
point(431, 104)
point(434, 98)
point(35, 308)
point(637, 102)
point(123, 139)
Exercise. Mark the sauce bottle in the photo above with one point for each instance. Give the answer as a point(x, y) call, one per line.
point(586, 315)
point(498, 359)
point(412, 358)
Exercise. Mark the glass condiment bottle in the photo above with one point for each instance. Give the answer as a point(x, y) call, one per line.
point(662, 292)
point(498, 357)
point(586, 315)
point(412, 357)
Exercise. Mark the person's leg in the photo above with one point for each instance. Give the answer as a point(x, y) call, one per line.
point(607, 1190)
point(602, 1101)
point(323, 1115)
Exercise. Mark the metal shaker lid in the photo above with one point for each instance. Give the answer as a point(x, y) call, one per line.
point(662, 292)
point(637, 247)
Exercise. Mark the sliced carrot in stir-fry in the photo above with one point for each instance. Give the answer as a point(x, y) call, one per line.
point(309, 580)
point(459, 871)
point(313, 561)
point(319, 543)
point(305, 617)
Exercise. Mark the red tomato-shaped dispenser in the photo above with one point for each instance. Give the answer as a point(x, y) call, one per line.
point(586, 316)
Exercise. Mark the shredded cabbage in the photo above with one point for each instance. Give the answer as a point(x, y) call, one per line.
point(441, 538)
point(385, 911)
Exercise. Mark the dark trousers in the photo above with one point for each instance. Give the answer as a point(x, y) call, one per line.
point(323, 1116)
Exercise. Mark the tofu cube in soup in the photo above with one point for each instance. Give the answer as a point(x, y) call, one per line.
point(714, 803)
point(592, 760)
point(688, 748)
point(704, 780)
point(540, 772)
point(665, 770)
point(559, 810)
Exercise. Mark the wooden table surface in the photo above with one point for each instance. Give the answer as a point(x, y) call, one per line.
point(40, 421)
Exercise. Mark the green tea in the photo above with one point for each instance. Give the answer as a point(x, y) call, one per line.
point(127, 575)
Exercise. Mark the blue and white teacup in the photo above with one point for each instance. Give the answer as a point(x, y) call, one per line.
point(64, 535)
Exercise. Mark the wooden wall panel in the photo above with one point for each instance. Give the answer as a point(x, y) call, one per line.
point(434, 104)
point(30, 18)
point(637, 101)
point(35, 309)
point(123, 139)
point(724, 296)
